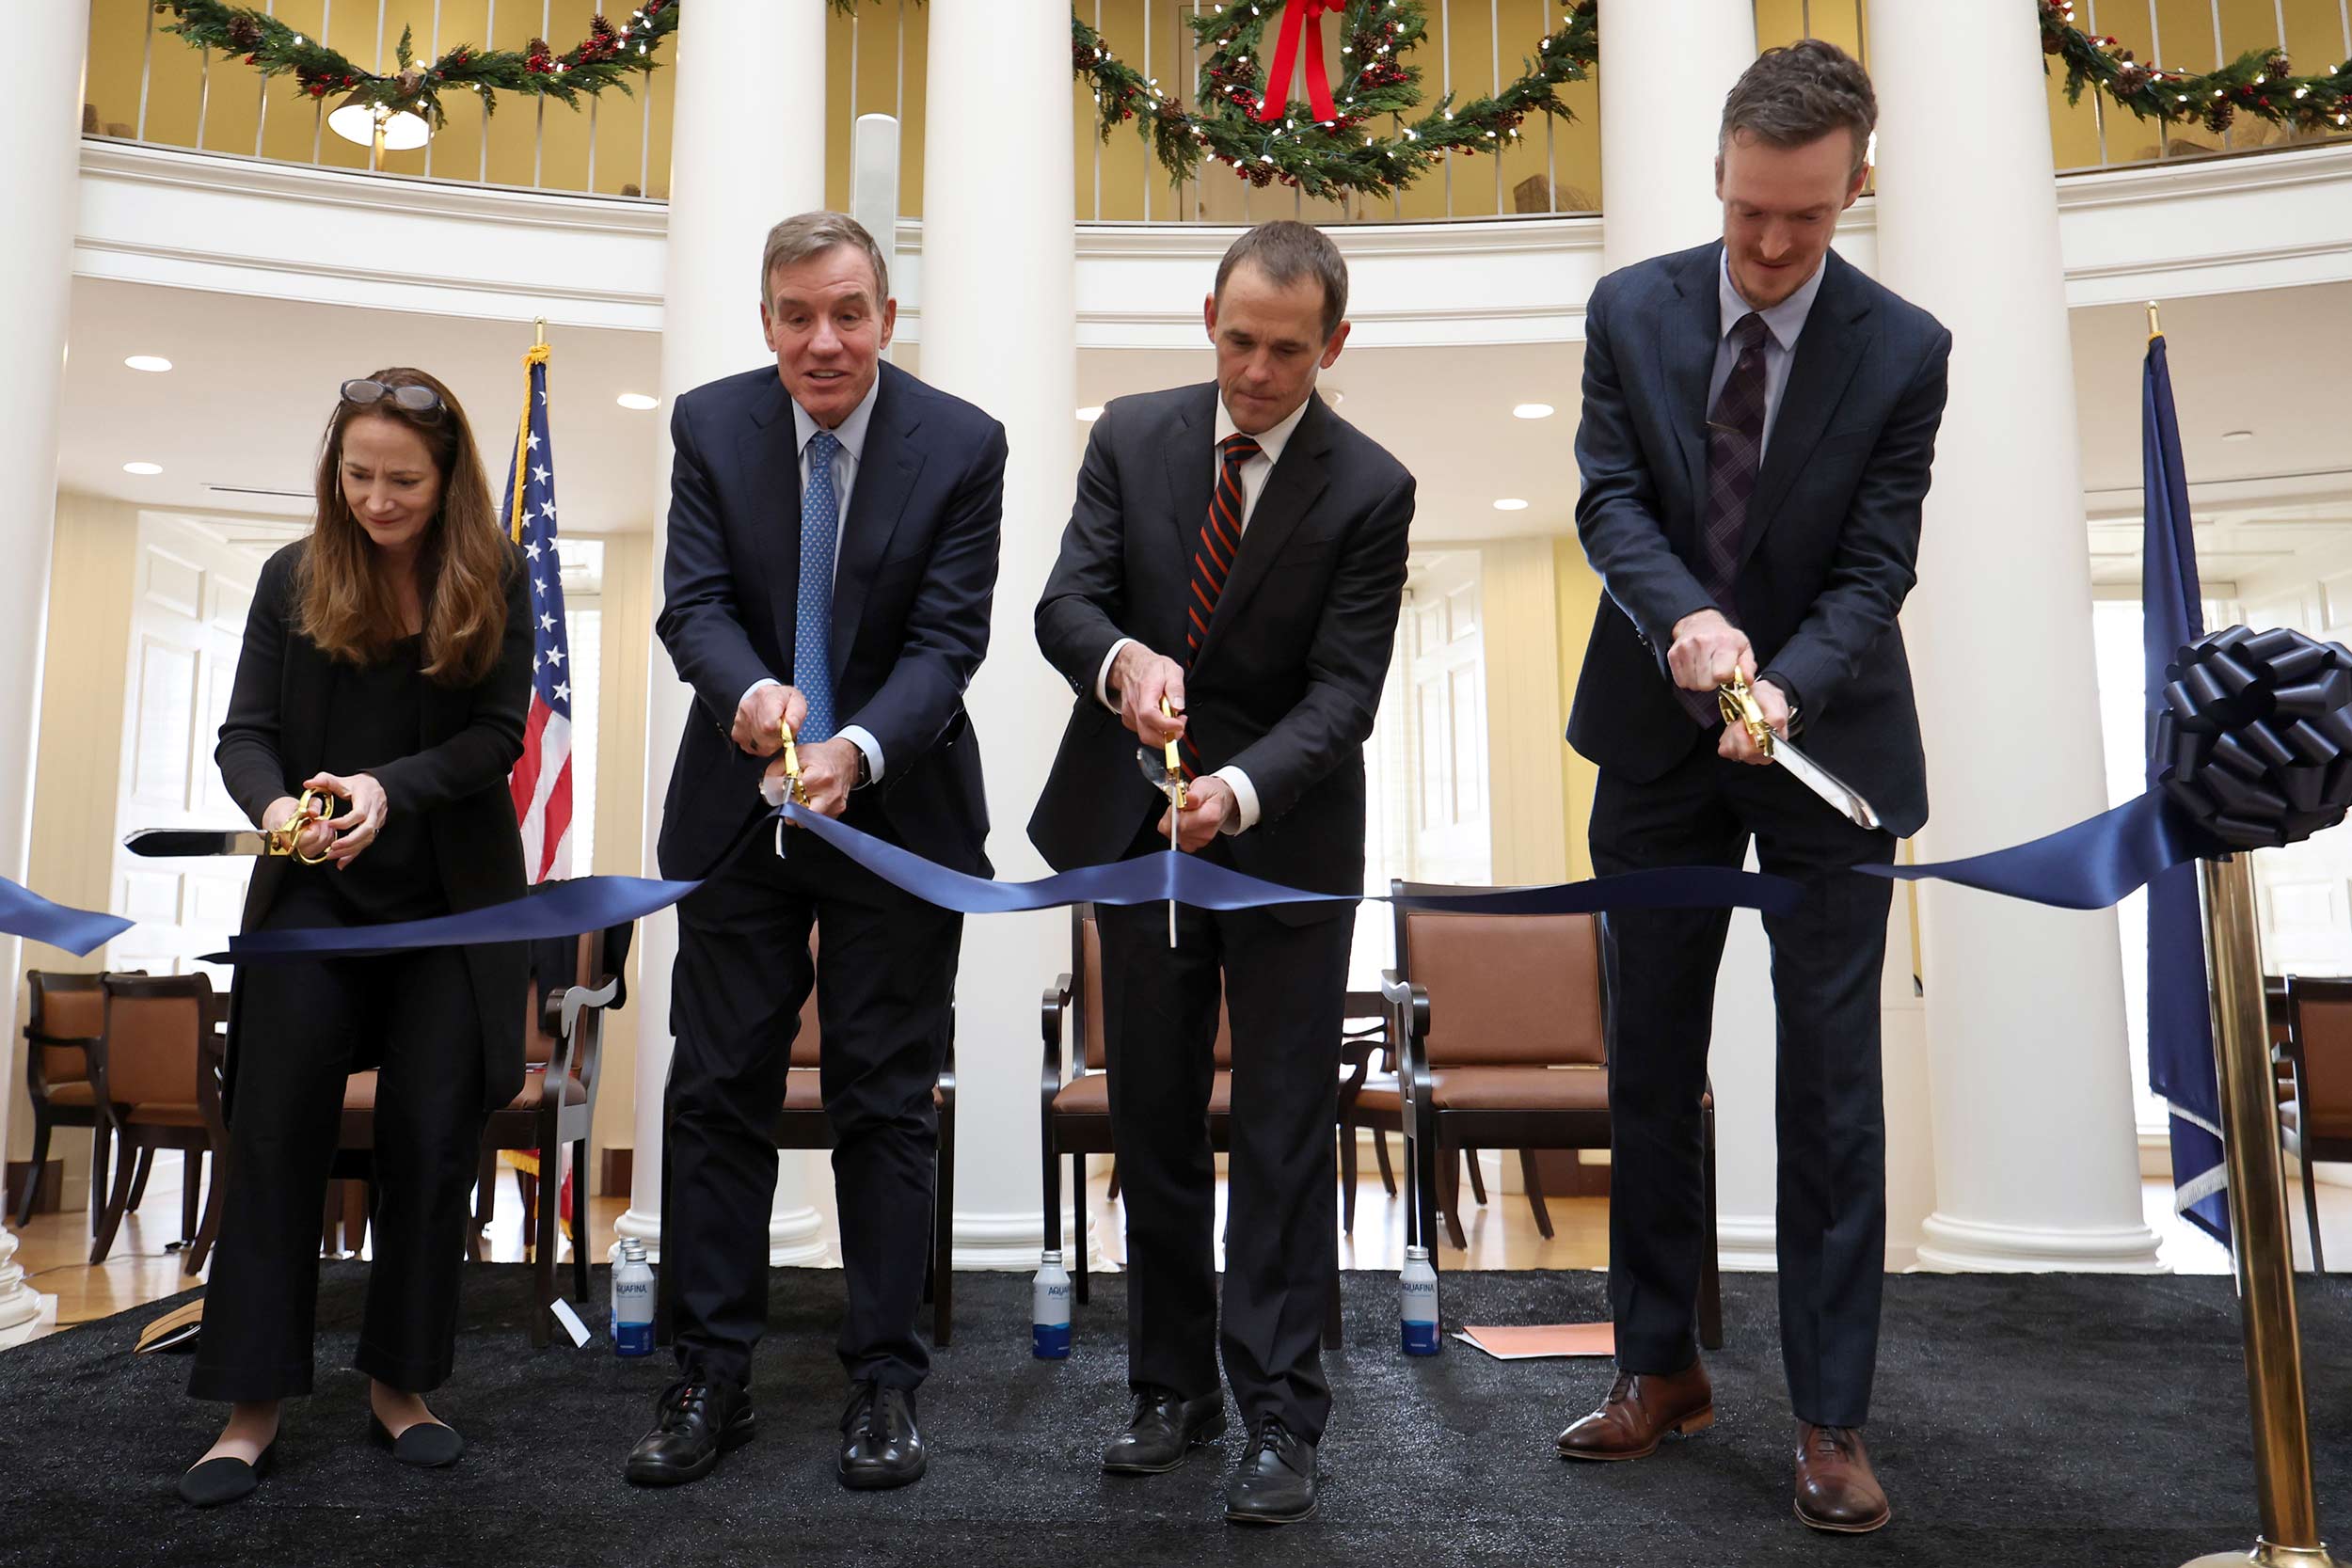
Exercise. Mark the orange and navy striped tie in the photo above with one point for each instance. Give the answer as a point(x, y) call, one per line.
point(1212, 557)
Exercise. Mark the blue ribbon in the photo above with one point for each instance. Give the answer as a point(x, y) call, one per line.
point(591, 903)
point(2090, 865)
point(80, 932)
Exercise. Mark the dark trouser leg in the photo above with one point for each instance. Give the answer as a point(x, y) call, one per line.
point(292, 1054)
point(885, 996)
point(1661, 969)
point(1827, 956)
point(1286, 994)
point(743, 974)
point(428, 1138)
point(1159, 1029)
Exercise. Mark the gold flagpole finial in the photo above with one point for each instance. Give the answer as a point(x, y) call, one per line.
point(539, 330)
point(2153, 329)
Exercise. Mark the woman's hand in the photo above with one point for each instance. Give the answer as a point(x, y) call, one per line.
point(314, 840)
point(357, 828)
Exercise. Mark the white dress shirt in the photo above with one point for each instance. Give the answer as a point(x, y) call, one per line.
point(1254, 473)
point(1782, 323)
point(850, 432)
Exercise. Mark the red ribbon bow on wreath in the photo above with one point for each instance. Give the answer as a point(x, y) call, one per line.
point(1301, 17)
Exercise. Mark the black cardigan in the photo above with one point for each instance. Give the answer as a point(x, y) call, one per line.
point(272, 739)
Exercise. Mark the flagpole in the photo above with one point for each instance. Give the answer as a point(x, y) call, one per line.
point(538, 356)
point(2258, 1226)
point(2153, 329)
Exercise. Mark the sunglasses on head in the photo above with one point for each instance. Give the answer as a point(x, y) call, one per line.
point(423, 402)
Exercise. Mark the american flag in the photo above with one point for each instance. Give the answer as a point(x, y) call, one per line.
point(542, 781)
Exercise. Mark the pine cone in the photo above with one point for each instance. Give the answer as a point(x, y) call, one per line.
point(244, 35)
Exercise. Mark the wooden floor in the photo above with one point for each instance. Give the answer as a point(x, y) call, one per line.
point(54, 1249)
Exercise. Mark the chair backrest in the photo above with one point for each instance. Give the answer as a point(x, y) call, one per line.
point(2319, 1023)
point(539, 1047)
point(1085, 954)
point(1505, 990)
point(153, 1030)
point(62, 1004)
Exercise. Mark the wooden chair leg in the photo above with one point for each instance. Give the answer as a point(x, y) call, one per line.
point(1450, 1193)
point(544, 1245)
point(1711, 1260)
point(1113, 1189)
point(579, 1221)
point(102, 1142)
point(207, 1233)
point(117, 1203)
point(485, 1188)
point(145, 1167)
point(191, 1189)
point(1534, 1185)
point(1477, 1177)
point(33, 1171)
point(2310, 1213)
point(1380, 1153)
point(1333, 1334)
point(1347, 1179)
point(1078, 1208)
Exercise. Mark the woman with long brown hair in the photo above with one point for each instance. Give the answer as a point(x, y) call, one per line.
point(386, 664)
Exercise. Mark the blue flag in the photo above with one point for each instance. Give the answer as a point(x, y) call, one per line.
point(2179, 1024)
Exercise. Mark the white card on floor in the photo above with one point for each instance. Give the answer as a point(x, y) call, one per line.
point(570, 1319)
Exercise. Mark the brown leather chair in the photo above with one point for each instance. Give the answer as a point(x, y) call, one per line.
point(60, 1029)
point(802, 1124)
point(2315, 1112)
point(156, 1089)
point(564, 1054)
point(1075, 1115)
point(1502, 1024)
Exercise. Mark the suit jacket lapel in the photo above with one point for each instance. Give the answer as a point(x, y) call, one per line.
point(1828, 349)
point(885, 478)
point(770, 452)
point(1291, 491)
point(1686, 352)
point(1191, 453)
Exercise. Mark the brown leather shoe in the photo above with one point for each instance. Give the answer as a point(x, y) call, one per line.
point(1836, 1487)
point(1641, 1409)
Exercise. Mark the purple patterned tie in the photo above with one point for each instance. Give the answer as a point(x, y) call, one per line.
point(1735, 449)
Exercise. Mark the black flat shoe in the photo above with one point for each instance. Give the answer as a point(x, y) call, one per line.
point(428, 1444)
point(696, 1423)
point(1162, 1431)
point(224, 1479)
point(1274, 1483)
point(880, 1445)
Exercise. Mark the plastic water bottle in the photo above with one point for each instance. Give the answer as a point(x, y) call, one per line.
point(632, 1301)
point(1418, 1297)
point(1049, 1328)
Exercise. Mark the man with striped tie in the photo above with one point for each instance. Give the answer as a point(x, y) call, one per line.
point(1237, 551)
point(833, 550)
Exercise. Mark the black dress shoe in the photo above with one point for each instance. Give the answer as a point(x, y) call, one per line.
point(224, 1480)
point(428, 1444)
point(879, 1447)
point(1162, 1431)
point(696, 1423)
point(1275, 1482)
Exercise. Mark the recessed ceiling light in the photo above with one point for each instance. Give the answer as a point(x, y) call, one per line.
point(2237, 434)
point(142, 469)
point(638, 401)
point(1510, 503)
point(1090, 414)
point(1532, 411)
point(154, 363)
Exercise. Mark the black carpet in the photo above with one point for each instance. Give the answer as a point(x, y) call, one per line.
point(2021, 1420)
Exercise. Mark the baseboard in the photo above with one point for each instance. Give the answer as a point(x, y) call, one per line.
point(49, 1198)
point(616, 1169)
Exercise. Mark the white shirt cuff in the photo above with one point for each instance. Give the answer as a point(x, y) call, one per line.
point(1102, 676)
point(764, 680)
point(863, 740)
point(1245, 800)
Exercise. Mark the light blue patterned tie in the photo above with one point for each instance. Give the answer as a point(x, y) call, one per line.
point(812, 639)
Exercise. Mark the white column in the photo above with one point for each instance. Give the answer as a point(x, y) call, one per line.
point(2036, 1162)
point(999, 265)
point(1658, 185)
point(747, 150)
point(1657, 160)
point(40, 118)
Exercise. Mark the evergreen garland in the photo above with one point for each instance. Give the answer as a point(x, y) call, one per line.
point(607, 58)
point(2261, 82)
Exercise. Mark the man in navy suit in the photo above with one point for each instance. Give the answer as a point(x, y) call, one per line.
point(833, 552)
point(1758, 423)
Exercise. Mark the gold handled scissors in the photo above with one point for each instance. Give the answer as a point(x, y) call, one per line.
point(286, 838)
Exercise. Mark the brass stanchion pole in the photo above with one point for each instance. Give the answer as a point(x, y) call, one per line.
point(2258, 1228)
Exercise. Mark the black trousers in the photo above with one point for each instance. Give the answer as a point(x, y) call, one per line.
point(1285, 990)
point(1829, 1113)
point(302, 1028)
point(885, 979)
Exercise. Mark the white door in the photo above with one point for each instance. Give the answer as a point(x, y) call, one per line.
point(2304, 892)
point(1445, 687)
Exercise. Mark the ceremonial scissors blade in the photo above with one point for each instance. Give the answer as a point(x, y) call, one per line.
point(153, 843)
point(1737, 701)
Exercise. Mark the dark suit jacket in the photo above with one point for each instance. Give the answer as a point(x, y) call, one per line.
point(272, 739)
point(1289, 676)
point(1832, 532)
point(915, 571)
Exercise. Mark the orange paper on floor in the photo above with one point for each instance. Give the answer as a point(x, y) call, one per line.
point(1527, 1342)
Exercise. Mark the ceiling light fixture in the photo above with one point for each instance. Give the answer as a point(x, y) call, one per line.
point(1533, 411)
point(152, 363)
point(378, 127)
point(638, 401)
point(1510, 503)
point(142, 469)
